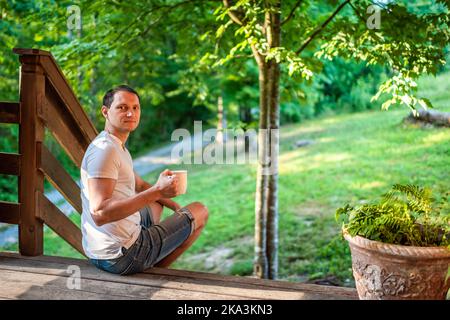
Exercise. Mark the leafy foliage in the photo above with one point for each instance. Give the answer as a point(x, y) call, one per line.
point(174, 53)
point(405, 215)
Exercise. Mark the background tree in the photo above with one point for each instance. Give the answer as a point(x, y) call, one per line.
point(406, 41)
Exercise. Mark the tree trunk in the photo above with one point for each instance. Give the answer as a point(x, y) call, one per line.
point(436, 118)
point(266, 203)
point(274, 124)
point(260, 263)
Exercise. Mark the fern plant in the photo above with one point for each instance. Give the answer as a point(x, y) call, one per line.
point(406, 215)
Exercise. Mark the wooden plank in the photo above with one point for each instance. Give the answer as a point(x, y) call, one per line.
point(10, 163)
point(9, 212)
point(30, 51)
point(60, 179)
point(183, 290)
point(70, 105)
point(29, 284)
point(59, 223)
point(62, 87)
point(63, 127)
point(43, 258)
point(9, 112)
point(192, 289)
point(25, 286)
point(31, 134)
point(230, 285)
point(331, 292)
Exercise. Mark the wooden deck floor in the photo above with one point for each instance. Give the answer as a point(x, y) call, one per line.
point(47, 277)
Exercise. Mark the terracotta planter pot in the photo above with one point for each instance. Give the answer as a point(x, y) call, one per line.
point(388, 271)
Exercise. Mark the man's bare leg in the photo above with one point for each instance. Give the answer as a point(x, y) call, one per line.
point(157, 211)
point(200, 213)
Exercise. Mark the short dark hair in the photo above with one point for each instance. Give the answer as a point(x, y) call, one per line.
point(108, 98)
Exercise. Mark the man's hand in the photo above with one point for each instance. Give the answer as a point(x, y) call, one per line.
point(167, 184)
point(169, 204)
point(142, 185)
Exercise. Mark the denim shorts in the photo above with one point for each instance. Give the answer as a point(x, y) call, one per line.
point(155, 242)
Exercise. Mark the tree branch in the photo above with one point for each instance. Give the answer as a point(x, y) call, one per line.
point(233, 14)
point(149, 26)
point(131, 24)
point(358, 13)
point(154, 9)
point(321, 27)
point(238, 20)
point(291, 14)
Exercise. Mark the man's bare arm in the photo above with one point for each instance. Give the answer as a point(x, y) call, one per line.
point(141, 184)
point(105, 208)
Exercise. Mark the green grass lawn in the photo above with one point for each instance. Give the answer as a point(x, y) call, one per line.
point(354, 158)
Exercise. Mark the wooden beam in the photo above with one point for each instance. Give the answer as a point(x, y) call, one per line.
point(28, 51)
point(9, 212)
point(31, 135)
point(31, 286)
point(10, 163)
point(59, 223)
point(60, 179)
point(63, 89)
point(193, 285)
point(63, 127)
point(9, 112)
point(64, 98)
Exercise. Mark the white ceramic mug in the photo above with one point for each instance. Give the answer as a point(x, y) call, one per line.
point(182, 180)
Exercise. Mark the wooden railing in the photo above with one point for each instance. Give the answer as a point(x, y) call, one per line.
point(46, 101)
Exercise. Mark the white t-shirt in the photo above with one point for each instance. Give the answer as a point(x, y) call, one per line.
point(106, 158)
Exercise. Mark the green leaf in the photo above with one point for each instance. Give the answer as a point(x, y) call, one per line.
point(425, 103)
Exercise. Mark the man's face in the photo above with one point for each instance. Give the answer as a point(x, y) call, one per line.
point(125, 111)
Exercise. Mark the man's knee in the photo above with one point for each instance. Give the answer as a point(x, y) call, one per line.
point(200, 213)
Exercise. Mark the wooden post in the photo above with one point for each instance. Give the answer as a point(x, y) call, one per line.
point(31, 136)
